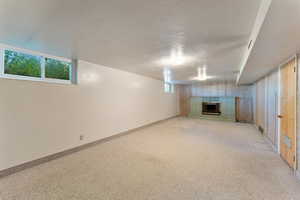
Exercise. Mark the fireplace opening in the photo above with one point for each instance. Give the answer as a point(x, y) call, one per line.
point(211, 108)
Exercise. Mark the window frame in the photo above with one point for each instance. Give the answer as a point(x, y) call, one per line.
point(167, 87)
point(43, 71)
point(171, 88)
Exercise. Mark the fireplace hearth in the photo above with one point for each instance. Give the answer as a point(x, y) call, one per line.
point(209, 108)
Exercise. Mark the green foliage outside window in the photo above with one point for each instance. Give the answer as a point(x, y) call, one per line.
point(16, 63)
point(57, 69)
point(22, 64)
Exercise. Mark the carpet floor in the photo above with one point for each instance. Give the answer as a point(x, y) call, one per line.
point(179, 159)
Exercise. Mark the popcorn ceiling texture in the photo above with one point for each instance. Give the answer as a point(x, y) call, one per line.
point(179, 159)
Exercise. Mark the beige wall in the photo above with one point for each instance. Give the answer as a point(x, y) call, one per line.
point(38, 119)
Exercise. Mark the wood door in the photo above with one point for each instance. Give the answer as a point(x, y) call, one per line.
point(243, 109)
point(184, 100)
point(288, 113)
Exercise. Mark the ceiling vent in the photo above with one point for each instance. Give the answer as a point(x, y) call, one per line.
point(250, 44)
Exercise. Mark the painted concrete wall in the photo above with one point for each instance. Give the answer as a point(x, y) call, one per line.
point(39, 119)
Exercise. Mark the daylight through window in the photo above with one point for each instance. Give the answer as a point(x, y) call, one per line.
point(169, 88)
point(57, 69)
point(16, 63)
point(25, 66)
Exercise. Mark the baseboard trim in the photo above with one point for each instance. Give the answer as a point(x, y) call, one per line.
point(15, 169)
point(298, 174)
point(275, 149)
point(268, 141)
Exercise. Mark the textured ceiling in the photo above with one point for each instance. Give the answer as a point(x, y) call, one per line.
point(135, 35)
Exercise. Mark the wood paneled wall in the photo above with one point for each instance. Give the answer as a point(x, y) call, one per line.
point(272, 107)
point(260, 104)
point(266, 92)
point(267, 107)
point(219, 89)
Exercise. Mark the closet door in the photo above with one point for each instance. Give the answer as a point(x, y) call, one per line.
point(288, 113)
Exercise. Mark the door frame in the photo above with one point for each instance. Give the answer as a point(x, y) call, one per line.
point(279, 106)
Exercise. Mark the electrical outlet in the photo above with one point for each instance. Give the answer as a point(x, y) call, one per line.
point(81, 137)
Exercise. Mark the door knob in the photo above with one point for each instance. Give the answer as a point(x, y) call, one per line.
point(280, 116)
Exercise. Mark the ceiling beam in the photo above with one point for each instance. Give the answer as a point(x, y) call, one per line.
point(261, 15)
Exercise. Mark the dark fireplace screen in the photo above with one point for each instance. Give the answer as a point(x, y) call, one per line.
point(211, 108)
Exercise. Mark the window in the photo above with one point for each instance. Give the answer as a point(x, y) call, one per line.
point(57, 69)
point(169, 88)
point(19, 64)
point(16, 63)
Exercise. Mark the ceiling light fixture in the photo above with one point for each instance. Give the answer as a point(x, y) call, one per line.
point(202, 75)
point(175, 59)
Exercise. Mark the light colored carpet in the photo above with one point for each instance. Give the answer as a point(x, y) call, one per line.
point(180, 159)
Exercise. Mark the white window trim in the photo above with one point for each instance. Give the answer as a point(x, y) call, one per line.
point(34, 53)
point(171, 88)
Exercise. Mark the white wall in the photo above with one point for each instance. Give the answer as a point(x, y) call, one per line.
point(39, 119)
